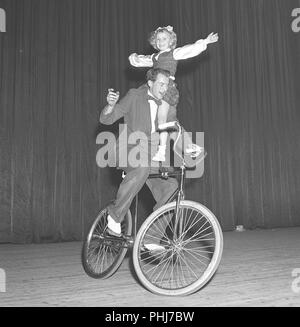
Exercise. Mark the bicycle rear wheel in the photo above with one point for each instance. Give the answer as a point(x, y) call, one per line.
point(182, 264)
point(102, 255)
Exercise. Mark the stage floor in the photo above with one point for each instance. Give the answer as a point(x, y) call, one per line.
point(258, 268)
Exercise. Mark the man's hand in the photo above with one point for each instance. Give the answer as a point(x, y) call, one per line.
point(112, 97)
point(212, 38)
point(194, 150)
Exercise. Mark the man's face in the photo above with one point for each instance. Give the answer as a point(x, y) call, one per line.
point(159, 87)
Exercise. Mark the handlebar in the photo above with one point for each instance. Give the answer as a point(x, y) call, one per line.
point(171, 126)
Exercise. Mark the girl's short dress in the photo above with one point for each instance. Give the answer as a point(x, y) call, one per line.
point(166, 61)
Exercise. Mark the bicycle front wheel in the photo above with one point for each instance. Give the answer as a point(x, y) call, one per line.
point(102, 255)
point(178, 258)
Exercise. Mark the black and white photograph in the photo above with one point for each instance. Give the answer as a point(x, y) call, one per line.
point(150, 156)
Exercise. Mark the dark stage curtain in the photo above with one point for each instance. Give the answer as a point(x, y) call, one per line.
point(57, 59)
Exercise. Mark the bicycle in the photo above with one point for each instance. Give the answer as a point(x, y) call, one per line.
point(185, 237)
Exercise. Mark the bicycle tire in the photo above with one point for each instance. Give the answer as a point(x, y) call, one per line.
point(112, 255)
point(169, 258)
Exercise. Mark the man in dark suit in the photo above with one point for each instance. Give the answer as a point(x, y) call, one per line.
point(139, 109)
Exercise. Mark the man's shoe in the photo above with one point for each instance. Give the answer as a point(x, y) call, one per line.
point(154, 248)
point(113, 228)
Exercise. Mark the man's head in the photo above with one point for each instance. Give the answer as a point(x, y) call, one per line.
point(158, 81)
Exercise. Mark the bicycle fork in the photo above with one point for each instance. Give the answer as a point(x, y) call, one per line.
point(178, 226)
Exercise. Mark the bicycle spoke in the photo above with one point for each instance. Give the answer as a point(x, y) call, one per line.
point(161, 261)
point(186, 221)
point(154, 258)
point(192, 225)
point(102, 256)
point(163, 271)
point(195, 249)
point(195, 254)
point(160, 230)
point(199, 229)
point(180, 271)
point(190, 270)
point(187, 265)
point(195, 238)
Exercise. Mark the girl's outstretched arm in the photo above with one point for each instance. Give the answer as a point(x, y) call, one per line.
point(193, 50)
point(140, 60)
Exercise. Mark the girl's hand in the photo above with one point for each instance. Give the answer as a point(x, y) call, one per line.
point(134, 56)
point(212, 38)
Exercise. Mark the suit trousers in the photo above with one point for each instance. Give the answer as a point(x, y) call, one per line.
point(134, 180)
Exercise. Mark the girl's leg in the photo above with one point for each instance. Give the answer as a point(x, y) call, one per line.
point(162, 114)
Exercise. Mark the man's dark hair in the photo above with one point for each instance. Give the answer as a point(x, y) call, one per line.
point(153, 72)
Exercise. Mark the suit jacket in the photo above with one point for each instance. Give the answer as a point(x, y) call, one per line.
point(135, 109)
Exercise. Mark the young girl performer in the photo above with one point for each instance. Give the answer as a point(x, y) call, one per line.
point(164, 40)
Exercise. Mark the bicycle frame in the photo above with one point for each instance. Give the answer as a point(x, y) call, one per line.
point(178, 194)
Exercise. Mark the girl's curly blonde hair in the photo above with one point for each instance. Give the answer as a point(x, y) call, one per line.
point(167, 29)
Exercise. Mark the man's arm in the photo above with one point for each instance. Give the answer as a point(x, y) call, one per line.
point(113, 110)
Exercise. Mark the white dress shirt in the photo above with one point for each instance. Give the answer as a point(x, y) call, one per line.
point(153, 112)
